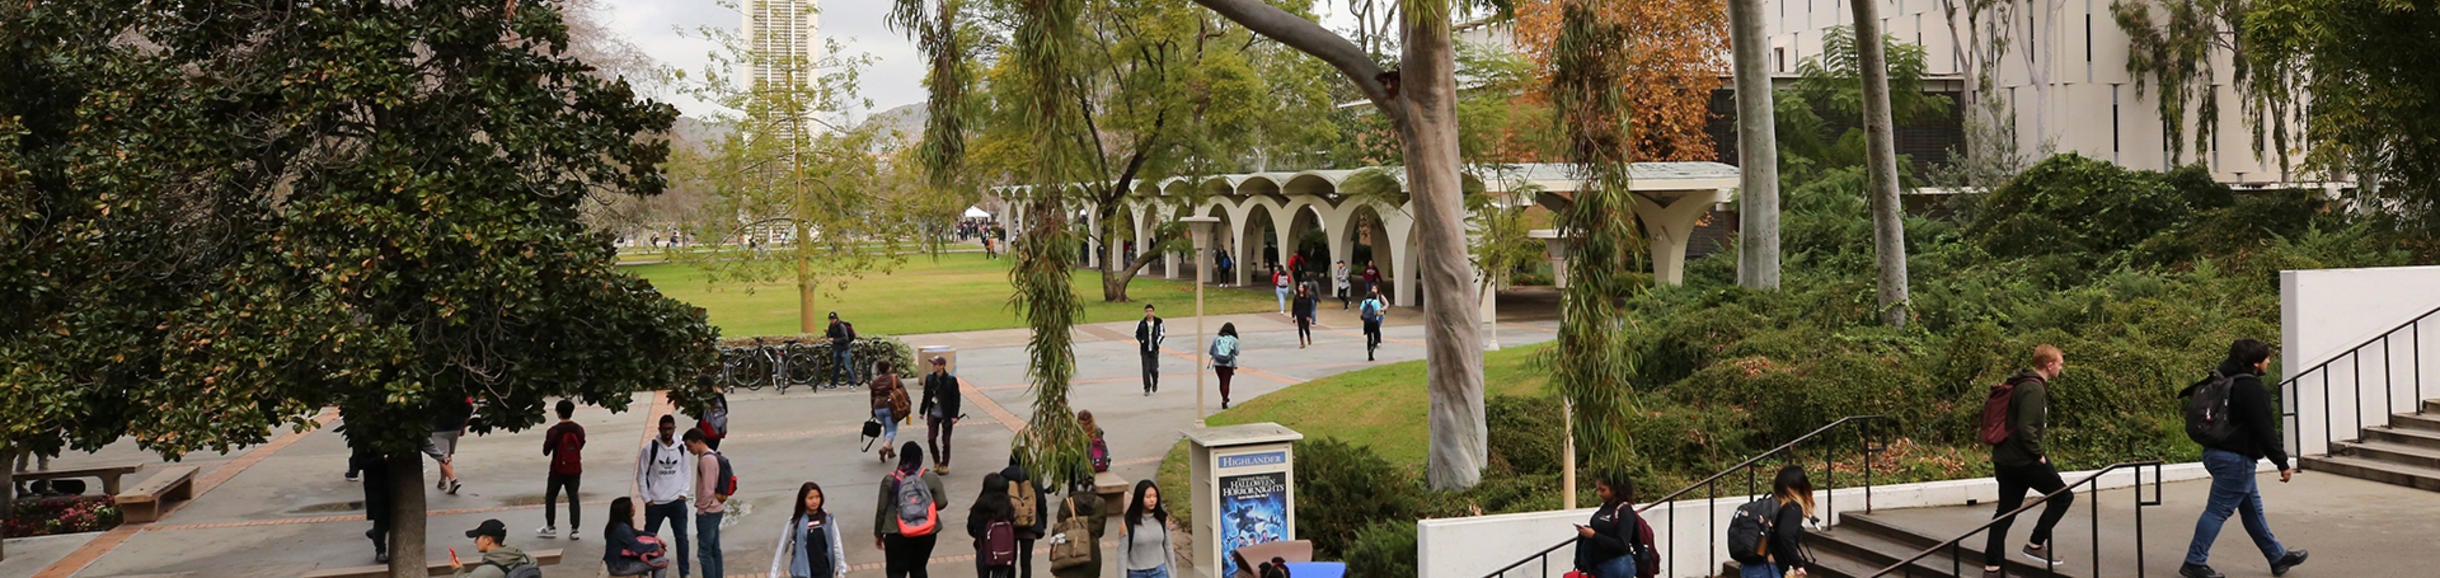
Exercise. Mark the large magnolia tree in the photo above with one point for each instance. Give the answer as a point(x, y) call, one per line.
point(226, 216)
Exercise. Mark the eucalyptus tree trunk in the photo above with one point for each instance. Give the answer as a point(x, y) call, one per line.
point(8, 493)
point(1757, 149)
point(1419, 99)
point(1881, 165)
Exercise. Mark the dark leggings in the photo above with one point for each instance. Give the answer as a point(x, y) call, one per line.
point(903, 556)
point(1225, 372)
point(2013, 482)
point(550, 500)
point(1304, 329)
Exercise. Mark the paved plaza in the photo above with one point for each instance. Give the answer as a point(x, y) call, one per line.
point(283, 509)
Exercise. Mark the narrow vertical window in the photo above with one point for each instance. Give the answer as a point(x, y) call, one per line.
point(2113, 122)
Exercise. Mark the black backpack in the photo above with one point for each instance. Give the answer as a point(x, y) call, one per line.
point(1749, 530)
point(526, 571)
point(2208, 420)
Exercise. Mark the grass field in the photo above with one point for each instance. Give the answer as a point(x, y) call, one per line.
point(959, 292)
point(1382, 408)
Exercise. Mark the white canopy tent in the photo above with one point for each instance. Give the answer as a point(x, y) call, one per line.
point(977, 213)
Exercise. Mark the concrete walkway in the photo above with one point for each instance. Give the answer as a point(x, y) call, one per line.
point(2352, 527)
point(283, 509)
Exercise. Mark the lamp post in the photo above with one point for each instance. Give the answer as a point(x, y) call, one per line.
point(1200, 229)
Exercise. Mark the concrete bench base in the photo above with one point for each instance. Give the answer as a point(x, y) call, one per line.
point(147, 501)
point(441, 568)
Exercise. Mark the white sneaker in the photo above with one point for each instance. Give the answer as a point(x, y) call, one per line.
point(547, 532)
point(571, 533)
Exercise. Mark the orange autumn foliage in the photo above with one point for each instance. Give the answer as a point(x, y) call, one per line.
point(1678, 56)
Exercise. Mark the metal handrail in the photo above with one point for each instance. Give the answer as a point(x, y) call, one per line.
point(1956, 561)
point(1830, 483)
point(2291, 387)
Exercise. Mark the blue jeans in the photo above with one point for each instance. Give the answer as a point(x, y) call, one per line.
point(675, 513)
point(844, 371)
point(2232, 491)
point(1161, 572)
point(1758, 571)
point(1283, 298)
point(1619, 567)
point(889, 426)
point(707, 536)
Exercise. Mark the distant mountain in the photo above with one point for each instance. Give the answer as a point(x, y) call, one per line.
point(906, 120)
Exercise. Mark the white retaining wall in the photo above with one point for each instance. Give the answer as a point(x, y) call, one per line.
point(2323, 313)
point(1474, 547)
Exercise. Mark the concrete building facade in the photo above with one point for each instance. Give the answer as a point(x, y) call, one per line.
point(2064, 71)
point(785, 38)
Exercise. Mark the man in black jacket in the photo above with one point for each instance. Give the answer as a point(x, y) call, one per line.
point(2019, 463)
point(2232, 466)
point(940, 410)
point(1148, 336)
point(842, 337)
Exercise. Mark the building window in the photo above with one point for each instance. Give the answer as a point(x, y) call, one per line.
point(1918, 28)
point(1779, 56)
point(2113, 122)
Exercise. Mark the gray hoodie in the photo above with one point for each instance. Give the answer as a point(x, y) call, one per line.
point(495, 564)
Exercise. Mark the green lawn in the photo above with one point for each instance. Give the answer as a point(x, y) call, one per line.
point(959, 292)
point(1382, 408)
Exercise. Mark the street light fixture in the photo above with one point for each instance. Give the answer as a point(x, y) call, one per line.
point(1200, 229)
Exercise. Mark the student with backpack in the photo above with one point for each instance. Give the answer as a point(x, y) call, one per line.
point(809, 545)
point(500, 560)
point(1224, 358)
point(1279, 286)
point(665, 478)
point(1076, 545)
point(1767, 536)
point(1030, 512)
point(842, 336)
point(627, 553)
point(2016, 415)
point(906, 525)
point(941, 401)
point(1306, 302)
point(2230, 414)
point(715, 481)
point(1097, 450)
point(992, 523)
point(1145, 552)
point(1616, 543)
point(1372, 311)
point(564, 443)
point(715, 421)
point(889, 405)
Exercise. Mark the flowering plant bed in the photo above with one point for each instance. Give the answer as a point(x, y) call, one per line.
point(62, 515)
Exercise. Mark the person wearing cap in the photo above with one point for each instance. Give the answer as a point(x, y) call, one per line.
point(940, 410)
point(499, 558)
point(842, 337)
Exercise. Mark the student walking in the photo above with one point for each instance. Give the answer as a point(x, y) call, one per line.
point(941, 403)
point(1097, 451)
point(1279, 286)
point(665, 478)
point(715, 421)
point(712, 479)
point(809, 544)
point(2019, 462)
point(499, 558)
point(376, 485)
point(1338, 280)
point(1030, 513)
point(992, 523)
point(906, 519)
point(889, 406)
point(1305, 304)
point(2230, 459)
point(1224, 358)
point(1372, 280)
point(1076, 549)
point(1610, 545)
point(626, 553)
point(1146, 550)
point(1783, 548)
point(1149, 333)
point(449, 419)
point(564, 443)
point(842, 337)
point(1372, 311)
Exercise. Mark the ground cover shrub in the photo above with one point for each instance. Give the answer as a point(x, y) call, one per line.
point(1341, 487)
point(62, 515)
point(1383, 549)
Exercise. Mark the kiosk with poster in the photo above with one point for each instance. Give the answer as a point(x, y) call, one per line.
point(1247, 474)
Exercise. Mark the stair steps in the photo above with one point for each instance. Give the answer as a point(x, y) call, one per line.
point(2406, 452)
point(1862, 544)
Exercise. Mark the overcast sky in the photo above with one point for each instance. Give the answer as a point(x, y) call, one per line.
point(896, 77)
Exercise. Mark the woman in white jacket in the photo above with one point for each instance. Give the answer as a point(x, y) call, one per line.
point(809, 546)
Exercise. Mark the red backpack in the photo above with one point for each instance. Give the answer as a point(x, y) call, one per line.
point(1995, 413)
point(999, 545)
point(567, 452)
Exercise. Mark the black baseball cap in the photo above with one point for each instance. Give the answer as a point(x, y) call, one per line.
point(492, 528)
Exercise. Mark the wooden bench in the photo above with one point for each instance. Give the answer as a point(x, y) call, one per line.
point(109, 475)
point(1113, 491)
point(440, 568)
point(149, 500)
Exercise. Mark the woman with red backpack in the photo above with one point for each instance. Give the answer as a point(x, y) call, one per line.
point(626, 552)
point(993, 524)
point(906, 525)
